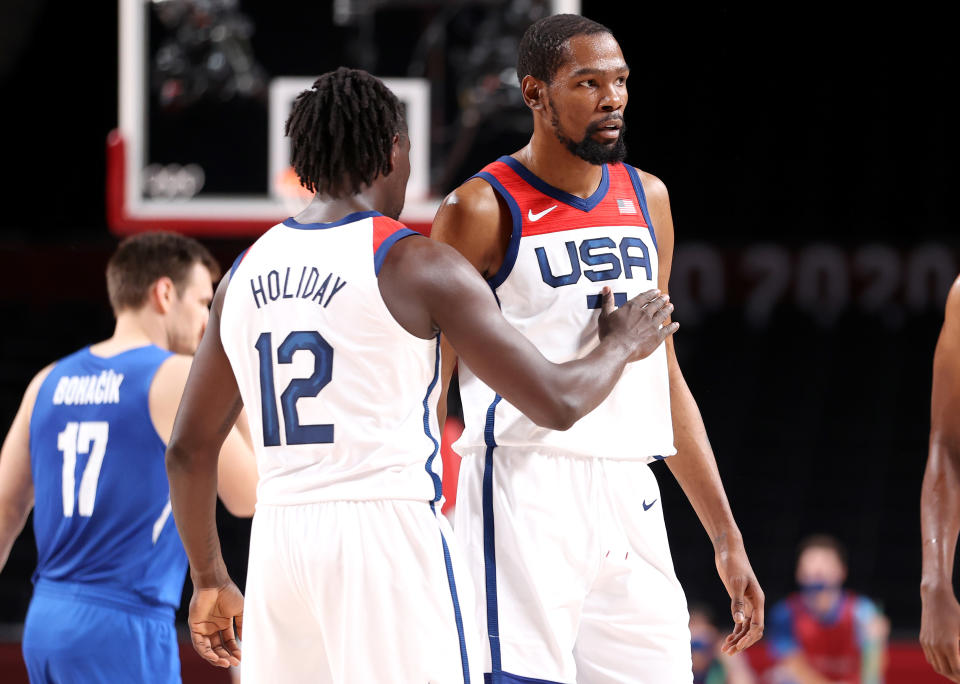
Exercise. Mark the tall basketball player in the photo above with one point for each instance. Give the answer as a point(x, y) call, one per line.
point(564, 532)
point(327, 330)
point(940, 502)
point(86, 452)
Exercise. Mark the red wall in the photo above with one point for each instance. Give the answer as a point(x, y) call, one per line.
point(193, 668)
point(906, 666)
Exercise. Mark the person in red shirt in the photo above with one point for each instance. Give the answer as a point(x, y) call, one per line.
point(824, 634)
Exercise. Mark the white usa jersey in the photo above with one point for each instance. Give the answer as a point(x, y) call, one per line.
point(339, 396)
point(563, 250)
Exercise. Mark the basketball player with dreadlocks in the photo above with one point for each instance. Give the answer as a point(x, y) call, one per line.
point(940, 502)
point(564, 531)
point(327, 330)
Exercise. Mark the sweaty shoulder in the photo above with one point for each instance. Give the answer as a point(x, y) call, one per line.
point(476, 221)
point(166, 391)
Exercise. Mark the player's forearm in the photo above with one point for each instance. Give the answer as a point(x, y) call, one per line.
point(695, 467)
point(588, 381)
point(193, 498)
point(940, 516)
point(556, 396)
point(552, 395)
point(13, 517)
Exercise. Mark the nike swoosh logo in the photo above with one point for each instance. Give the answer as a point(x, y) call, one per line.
point(648, 506)
point(538, 216)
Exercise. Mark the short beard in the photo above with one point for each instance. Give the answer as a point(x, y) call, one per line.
point(588, 149)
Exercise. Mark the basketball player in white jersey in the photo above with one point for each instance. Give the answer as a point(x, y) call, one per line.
point(564, 532)
point(940, 502)
point(327, 330)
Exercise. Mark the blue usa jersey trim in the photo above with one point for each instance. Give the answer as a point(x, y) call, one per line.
point(381, 254)
point(236, 262)
point(437, 482)
point(349, 218)
point(510, 258)
point(457, 614)
point(584, 204)
point(489, 547)
point(508, 678)
point(642, 198)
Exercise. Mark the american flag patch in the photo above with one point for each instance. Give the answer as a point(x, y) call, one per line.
point(626, 206)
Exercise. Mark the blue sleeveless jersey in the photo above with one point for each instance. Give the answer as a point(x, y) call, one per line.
point(102, 500)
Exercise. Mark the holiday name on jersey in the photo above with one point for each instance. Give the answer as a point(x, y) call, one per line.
point(78, 390)
point(268, 289)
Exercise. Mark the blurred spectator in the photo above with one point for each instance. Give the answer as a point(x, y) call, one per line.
point(710, 665)
point(823, 634)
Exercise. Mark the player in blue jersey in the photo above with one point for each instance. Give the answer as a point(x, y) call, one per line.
point(940, 502)
point(85, 451)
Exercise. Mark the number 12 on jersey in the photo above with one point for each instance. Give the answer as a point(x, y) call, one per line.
point(307, 340)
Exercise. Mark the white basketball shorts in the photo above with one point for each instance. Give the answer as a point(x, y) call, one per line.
point(572, 569)
point(365, 591)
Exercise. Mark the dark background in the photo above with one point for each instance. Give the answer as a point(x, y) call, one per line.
point(810, 158)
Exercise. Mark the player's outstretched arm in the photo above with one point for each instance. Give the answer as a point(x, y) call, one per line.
point(208, 411)
point(940, 502)
point(16, 479)
point(472, 221)
point(695, 467)
point(429, 286)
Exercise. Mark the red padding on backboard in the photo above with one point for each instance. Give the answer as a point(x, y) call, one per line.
point(121, 223)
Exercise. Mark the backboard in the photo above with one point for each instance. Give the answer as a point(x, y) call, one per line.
point(179, 169)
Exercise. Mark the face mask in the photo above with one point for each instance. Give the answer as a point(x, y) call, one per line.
point(816, 587)
point(700, 645)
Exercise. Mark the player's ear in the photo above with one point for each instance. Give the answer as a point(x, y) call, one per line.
point(394, 153)
point(533, 91)
point(162, 294)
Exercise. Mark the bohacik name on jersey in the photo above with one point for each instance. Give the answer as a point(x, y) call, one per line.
point(77, 390)
point(266, 290)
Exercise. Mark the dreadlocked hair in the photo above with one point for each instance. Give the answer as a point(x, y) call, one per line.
point(342, 132)
point(543, 47)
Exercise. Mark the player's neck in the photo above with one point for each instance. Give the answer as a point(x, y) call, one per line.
point(553, 163)
point(326, 209)
point(134, 329)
